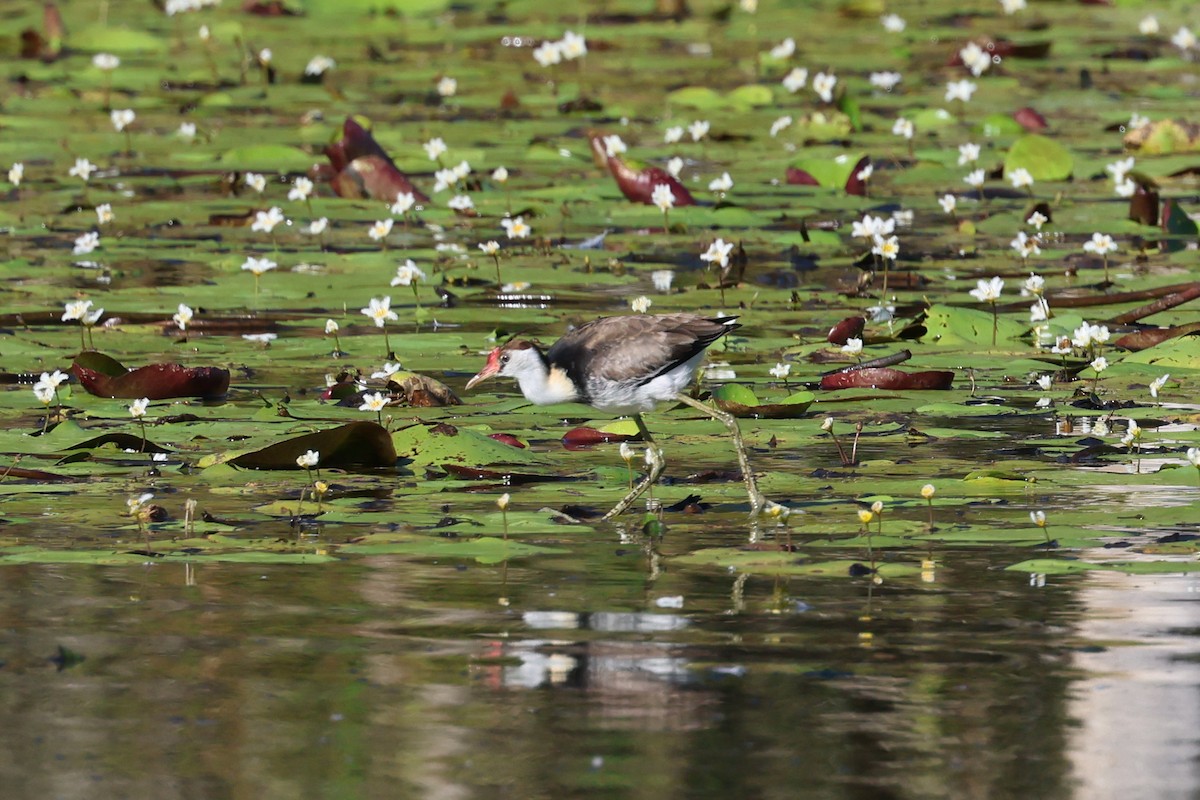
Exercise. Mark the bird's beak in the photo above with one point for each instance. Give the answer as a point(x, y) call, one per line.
point(491, 368)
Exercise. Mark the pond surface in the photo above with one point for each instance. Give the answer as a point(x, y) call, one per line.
point(981, 590)
point(385, 678)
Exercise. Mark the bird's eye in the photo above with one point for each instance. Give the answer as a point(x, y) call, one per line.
point(504, 359)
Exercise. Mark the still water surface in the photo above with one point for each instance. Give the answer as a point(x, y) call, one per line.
point(391, 677)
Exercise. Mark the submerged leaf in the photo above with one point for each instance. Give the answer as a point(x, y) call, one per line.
point(104, 376)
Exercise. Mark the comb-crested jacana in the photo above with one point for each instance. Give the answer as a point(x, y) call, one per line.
point(626, 365)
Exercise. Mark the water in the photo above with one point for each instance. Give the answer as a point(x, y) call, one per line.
point(386, 677)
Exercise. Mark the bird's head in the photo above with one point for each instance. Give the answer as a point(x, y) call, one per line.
point(513, 359)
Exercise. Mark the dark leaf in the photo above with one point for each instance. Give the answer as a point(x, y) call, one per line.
point(638, 185)
point(849, 328)
point(887, 378)
point(155, 381)
point(356, 444)
point(363, 169)
point(579, 438)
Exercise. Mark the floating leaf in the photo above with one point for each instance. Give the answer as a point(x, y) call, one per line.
point(361, 168)
point(1164, 137)
point(1045, 158)
point(357, 444)
point(638, 185)
point(104, 376)
point(888, 378)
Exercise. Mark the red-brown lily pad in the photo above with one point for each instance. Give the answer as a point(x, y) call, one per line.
point(847, 329)
point(1141, 340)
point(363, 169)
point(104, 376)
point(742, 402)
point(638, 184)
point(887, 378)
point(579, 438)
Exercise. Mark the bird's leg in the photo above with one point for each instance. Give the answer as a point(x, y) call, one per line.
point(654, 461)
point(757, 501)
point(643, 431)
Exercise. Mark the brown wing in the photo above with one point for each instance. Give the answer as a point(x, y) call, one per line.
point(635, 348)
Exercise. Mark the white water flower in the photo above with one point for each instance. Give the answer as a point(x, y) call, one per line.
point(374, 402)
point(122, 118)
point(968, 153)
point(698, 129)
point(1125, 188)
point(258, 265)
point(83, 169)
point(673, 134)
point(885, 80)
point(573, 46)
point(781, 371)
point(641, 305)
point(319, 65)
point(301, 189)
point(183, 316)
point(674, 166)
point(795, 79)
point(308, 460)
point(461, 202)
point(960, 90)
point(974, 178)
point(404, 202)
point(1100, 244)
point(1020, 178)
point(105, 61)
point(948, 202)
point(1184, 39)
point(975, 58)
point(1044, 382)
point(407, 273)
point(1025, 245)
point(138, 407)
point(852, 347)
point(447, 87)
point(718, 253)
point(886, 248)
point(663, 197)
point(1037, 219)
point(548, 53)
point(1158, 383)
point(662, 279)
point(331, 327)
point(380, 230)
point(317, 226)
point(784, 49)
point(435, 148)
point(266, 221)
point(988, 291)
point(721, 184)
point(16, 173)
point(256, 182)
point(86, 243)
point(614, 145)
point(823, 84)
point(515, 227)
point(893, 23)
point(1012, 6)
point(104, 214)
point(187, 130)
point(380, 312)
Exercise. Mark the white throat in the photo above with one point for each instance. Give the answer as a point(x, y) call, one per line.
point(539, 385)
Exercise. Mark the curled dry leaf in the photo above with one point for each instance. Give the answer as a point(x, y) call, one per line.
point(847, 329)
point(638, 185)
point(363, 169)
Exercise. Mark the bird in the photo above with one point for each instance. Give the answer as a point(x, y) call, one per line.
point(625, 365)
